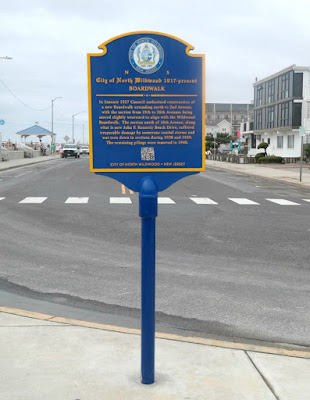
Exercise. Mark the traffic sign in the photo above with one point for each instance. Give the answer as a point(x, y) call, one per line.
point(146, 109)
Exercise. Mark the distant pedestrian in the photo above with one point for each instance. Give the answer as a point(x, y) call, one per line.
point(52, 149)
point(43, 149)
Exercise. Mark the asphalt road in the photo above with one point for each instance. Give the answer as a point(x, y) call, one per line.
point(226, 270)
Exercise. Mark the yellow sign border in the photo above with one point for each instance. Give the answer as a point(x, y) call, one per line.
point(189, 47)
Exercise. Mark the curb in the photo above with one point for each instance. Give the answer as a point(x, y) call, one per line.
point(195, 340)
point(25, 165)
point(248, 173)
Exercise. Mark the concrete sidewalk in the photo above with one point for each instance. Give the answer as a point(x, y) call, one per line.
point(4, 165)
point(276, 172)
point(70, 360)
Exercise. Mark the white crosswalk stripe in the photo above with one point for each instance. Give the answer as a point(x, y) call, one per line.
point(306, 200)
point(33, 200)
point(77, 200)
point(2, 198)
point(243, 201)
point(283, 202)
point(120, 200)
point(202, 200)
point(165, 200)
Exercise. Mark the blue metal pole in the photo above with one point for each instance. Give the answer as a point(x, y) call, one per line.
point(148, 212)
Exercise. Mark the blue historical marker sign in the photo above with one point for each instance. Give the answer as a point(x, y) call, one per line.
point(146, 109)
point(146, 115)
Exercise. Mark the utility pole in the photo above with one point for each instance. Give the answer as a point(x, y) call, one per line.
point(53, 118)
point(73, 140)
point(2, 121)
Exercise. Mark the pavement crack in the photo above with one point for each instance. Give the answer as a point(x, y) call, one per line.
point(269, 385)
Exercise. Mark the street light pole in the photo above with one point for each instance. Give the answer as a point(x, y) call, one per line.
point(53, 117)
point(3, 58)
point(73, 140)
point(302, 133)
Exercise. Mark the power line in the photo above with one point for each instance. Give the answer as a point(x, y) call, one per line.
point(26, 105)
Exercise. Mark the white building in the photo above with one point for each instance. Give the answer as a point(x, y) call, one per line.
point(221, 127)
point(281, 106)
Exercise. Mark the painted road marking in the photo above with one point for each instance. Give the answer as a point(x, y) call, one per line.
point(283, 202)
point(202, 200)
point(25, 173)
point(165, 200)
point(243, 201)
point(120, 200)
point(124, 189)
point(77, 200)
point(281, 351)
point(33, 200)
point(161, 200)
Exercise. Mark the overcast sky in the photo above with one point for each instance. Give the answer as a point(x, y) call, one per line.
point(49, 40)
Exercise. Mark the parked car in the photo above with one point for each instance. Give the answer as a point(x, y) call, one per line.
point(84, 150)
point(70, 150)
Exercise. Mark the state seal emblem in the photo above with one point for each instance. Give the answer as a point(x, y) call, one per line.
point(146, 55)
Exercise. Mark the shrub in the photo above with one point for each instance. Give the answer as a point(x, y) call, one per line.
point(210, 146)
point(307, 150)
point(270, 159)
point(264, 146)
point(259, 155)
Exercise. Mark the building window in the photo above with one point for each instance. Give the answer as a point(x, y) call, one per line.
point(283, 114)
point(209, 116)
point(253, 141)
point(259, 99)
point(270, 117)
point(290, 141)
point(296, 119)
point(259, 120)
point(284, 86)
point(226, 116)
point(297, 84)
point(270, 91)
point(280, 142)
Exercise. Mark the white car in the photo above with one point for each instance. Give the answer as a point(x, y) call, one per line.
point(70, 150)
point(84, 149)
